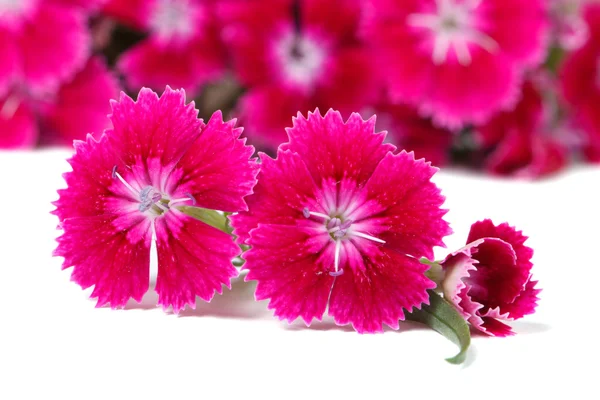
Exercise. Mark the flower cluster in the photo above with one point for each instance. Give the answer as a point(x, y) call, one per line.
point(47, 72)
point(507, 86)
point(339, 222)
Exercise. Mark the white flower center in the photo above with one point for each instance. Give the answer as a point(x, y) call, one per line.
point(173, 19)
point(339, 229)
point(301, 59)
point(452, 28)
point(151, 199)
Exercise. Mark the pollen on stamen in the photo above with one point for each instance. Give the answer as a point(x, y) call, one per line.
point(336, 273)
point(114, 171)
point(306, 212)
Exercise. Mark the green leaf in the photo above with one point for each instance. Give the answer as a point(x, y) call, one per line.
point(444, 318)
point(210, 217)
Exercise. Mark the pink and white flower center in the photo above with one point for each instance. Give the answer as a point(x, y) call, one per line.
point(453, 28)
point(300, 59)
point(150, 199)
point(174, 19)
point(340, 229)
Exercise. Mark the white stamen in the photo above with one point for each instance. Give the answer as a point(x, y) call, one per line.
point(124, 182)
point(320, 215)
point(336, 260)
point(181, 200)
point(369, 237)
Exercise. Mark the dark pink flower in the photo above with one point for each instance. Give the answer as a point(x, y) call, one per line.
point(457, 60)
point(524, 142)
point(42, 44)
point(294, 59)
point(79, 107)
point(130, 183)
point(338, 222)
point(580, 83)
point(183, 48)
point(489, 280)
point(411, 132)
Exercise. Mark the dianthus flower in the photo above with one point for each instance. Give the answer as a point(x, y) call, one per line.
point(339, 222)
point(489, 280)
point(295, 56)
point(43, 43)
point(182, 49)
point(77, 108)
point(133, 182)
point(458, 61)
point(580, 83)
point(524, 142)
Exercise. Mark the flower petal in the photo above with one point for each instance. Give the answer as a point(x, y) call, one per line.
point(154, 64)
point(154, 132)
point(285, 261)
point(284, 189)
point(404, 206)
point(18, 126)
point(54, 46)
point(112, 257)
point(194, 259)
point(336, 149)
point(82, 105)
point(9, 61)
point(217, 170)
point(525, 303)
point(389, 284)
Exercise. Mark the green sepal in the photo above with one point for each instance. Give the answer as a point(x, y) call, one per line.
point(444, 318)
point(209, 217)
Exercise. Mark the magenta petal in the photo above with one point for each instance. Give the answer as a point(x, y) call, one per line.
point(216, 169)
point(296, 287)
point(336, 149)
point(102, 254)
point(19, 129)
point(525, 303)
point(509, 234)
point(156, 65)
point(284, 189)
point(494, 327)
point(153, 128)
point(194, 259)
point(404, 209)
point(379, 294)
point(82, 105)
point(9, 61)
point(54, 46)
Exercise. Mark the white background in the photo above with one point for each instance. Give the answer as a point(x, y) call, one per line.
point(55, 344)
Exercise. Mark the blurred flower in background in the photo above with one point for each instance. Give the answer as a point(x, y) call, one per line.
point(503, 86)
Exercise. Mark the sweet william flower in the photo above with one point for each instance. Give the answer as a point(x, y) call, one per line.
point(78, 107)
point(182, 47)
point(458, 61)
point(296, 56)
point(43, 43)
point(132, 182)
point(338, 222)
point(489, 280)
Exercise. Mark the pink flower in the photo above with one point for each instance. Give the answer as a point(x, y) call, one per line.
point(182, 49)
point(338, 222)
point(489, 280)
point(131, 182)
point(524, 142)
point(459, 61)
point(79, 107)
point(580, 84)
point(42, 44)
point(411, 132)
point(295, 59)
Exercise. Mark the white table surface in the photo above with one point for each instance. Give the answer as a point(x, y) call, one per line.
point(55, 344)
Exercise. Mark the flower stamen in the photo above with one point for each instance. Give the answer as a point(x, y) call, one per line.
point(115, 174)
